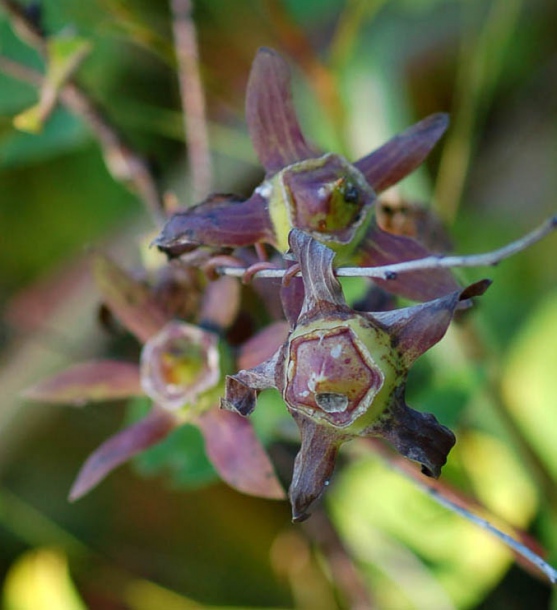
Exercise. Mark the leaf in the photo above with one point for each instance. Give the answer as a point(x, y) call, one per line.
point(87, 382)
point(40, 580)
point(120, 448)
point(237, 454)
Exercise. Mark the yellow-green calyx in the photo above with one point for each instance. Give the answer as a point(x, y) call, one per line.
point(326, 197)
point(340, 373)
point(182, 368)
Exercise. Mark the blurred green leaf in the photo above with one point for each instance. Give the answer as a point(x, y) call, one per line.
point(529, 380)
point(181, 456)
point(40, 580)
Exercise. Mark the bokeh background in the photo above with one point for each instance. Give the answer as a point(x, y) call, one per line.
point(172, 537)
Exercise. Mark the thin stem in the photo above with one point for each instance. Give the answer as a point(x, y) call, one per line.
point(457, 502)
point(124, 163)
point(390, 272)
point(193, 99)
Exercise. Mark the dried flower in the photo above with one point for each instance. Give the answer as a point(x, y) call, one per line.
point(342, 374)
point(322, 194)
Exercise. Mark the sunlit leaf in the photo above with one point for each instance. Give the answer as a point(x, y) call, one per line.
point(40, 580)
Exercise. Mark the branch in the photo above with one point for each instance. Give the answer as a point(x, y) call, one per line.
point(391, 272)
point(193, 100)
point(124, 163)
point(458, 503)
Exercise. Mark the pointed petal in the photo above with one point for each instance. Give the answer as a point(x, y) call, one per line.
point(415, 329)
point(237, 454)
point(220, 305)
point(272, 122)
point(322, 289)
point(87, 382)
point(217, 223)
point(120, 448)
point(292, 297)
point(314, 464)
point(381, 248)
point(263, 345)
point(403, 154)
point(416, 436)
point(128, 299)
point(241, 389)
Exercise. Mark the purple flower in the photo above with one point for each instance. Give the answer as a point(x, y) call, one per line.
point(182, 370)
point(342, 374)
point(324, 195)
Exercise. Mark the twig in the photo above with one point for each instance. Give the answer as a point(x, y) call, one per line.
point(193, 99)
point(441, 493)
point(124, 163)
point(391, 272)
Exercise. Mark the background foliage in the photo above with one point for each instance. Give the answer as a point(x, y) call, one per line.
point(364, 69)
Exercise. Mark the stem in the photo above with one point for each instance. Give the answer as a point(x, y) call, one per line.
point(390, 272)
point(124, 163)
point(193, 99)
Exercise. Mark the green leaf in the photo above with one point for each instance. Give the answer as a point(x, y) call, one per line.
point(181, 456)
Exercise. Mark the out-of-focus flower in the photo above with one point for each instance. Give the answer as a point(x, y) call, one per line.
point(182, 370)
point(324, 195)
point(342, 374)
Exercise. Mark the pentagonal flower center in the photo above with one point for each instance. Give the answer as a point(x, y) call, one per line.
point(179, 364)
point(331, 375)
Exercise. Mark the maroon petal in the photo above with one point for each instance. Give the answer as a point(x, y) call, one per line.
point(415, 329)
point(403, 154)
point(417, 436)
point(220, 305)
point(272, 122)
point(322, 289)
point(263, 345)
point(91, 381)
point(380, 248)
point(237, 454)
point(217, 223)
point(120, 448)
point(128, 299)
point(314, 464)
point(241, 389)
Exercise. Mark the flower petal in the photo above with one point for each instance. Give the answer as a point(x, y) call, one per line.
point(219, 222)
point(322, 289)
point(381, 248)
point(220, 305)
point(262, 345)
point(90, 381)
point(272, 122)
point(314, 464)
point(242, 388)
point(415, 329)
point(120, 448)
point(416, 436)
point(237, 454)
point(128, 299)
point(402, 154)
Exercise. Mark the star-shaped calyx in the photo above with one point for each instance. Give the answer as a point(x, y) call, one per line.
point(342, 374)
point(324, 195)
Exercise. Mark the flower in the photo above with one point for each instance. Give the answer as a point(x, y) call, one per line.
point(342, 374)
point(182, 370)
point(330, 198)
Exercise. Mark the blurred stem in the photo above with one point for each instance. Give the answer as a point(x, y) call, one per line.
point(193, 99)
point(354, 16)
point(480, 64)
point(344, 573)
point(323, 81)
point(124, 163)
